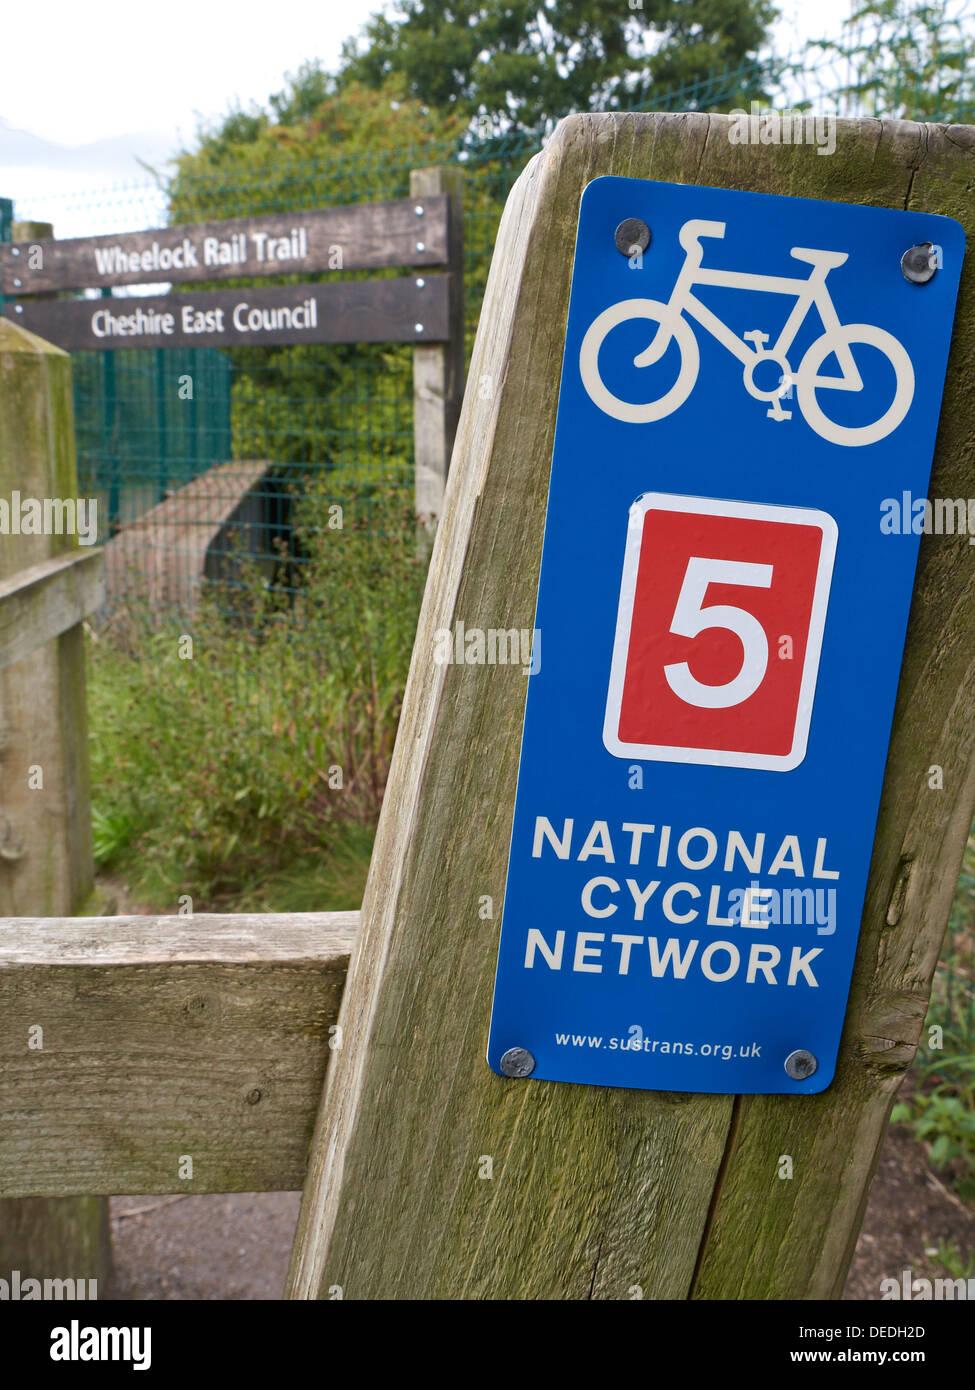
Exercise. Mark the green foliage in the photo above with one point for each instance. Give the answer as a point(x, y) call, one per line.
point(346, 409)
point(945, 1120)
point(525, 63)
point(950, 1258)
point(271, 745)
point(310, 122)
point(113, 830)
point(912, 60)
point(211, 775)
point(329, 881)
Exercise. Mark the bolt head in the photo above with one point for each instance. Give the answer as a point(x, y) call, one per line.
point(632, 236)
point(800, 1065)
point(517, 1061)
point(918, 265)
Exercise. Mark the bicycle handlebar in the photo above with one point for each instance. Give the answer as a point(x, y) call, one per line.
point(690, 234)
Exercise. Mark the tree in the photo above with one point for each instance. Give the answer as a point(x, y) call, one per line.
point(525, 63)
point(310, 122)
point(317, 408)
point(911, 59)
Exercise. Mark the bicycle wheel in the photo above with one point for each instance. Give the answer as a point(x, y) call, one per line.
point(808, 383)
point(638, 413)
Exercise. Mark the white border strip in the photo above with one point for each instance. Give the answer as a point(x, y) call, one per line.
point(759, 511)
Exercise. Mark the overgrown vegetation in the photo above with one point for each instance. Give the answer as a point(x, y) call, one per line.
point(242, 758)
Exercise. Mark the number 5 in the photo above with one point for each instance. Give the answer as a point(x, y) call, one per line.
point(691, 618)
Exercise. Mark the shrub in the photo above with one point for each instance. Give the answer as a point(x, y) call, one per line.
point(258, 743)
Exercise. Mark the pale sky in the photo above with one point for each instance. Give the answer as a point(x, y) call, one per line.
point(109, 84)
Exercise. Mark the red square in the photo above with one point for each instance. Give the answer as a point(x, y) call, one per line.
point(719, 630)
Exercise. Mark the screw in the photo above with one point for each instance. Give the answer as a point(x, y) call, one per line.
point(421, 246)
point(18, 283)
point(517, 1061)
point(632, 236)
point(800, 1064)
point(253, 1096)
point(418, 210)
point(420, 284)
point(418, 328)
point(15, 250)
point(919, 264)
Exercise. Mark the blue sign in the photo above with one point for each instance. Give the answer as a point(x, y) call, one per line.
point(724, 593)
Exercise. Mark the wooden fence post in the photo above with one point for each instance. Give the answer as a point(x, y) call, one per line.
point(596, 1190)
point(45, 810)
point(438, 368)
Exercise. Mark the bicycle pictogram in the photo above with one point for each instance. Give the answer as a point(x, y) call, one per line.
point(837, 340)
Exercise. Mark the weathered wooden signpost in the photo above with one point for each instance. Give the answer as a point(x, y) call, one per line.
point(423, 232)
point(431, 1176)
point(47, 586)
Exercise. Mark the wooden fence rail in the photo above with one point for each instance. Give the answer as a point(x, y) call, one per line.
point(165, 1039)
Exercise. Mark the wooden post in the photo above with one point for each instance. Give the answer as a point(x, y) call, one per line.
point(597, 1190)
point(438, 368)
point(45, 812)
point(33, 232)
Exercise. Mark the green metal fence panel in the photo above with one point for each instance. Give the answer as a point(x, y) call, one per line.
point(147, 423)
point(6, 222)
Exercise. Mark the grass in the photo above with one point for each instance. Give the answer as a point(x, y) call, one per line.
point(241, 758)
point(956, 1263)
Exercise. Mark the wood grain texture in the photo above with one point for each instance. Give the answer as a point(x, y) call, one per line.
point(369, 236)
point(43, 725)
point(438, 369)
point(40, 603)
point(42, 695)
point(348, 311)
point(780, 1239)
point(205, 1036)
point(596, 1190)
